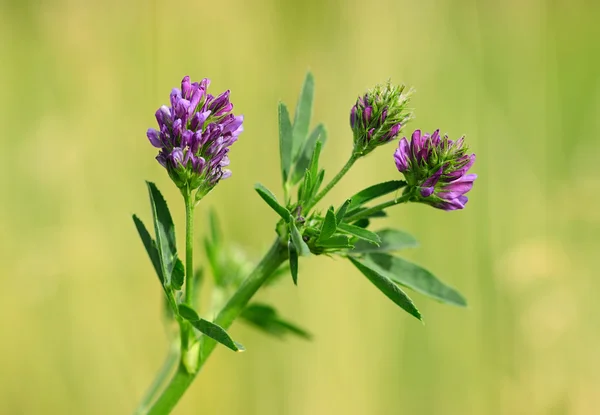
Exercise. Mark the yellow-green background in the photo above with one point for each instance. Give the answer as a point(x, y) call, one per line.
point(79, 306)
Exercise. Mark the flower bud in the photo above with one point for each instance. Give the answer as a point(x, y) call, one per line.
point(378, 116)
point(435, 169)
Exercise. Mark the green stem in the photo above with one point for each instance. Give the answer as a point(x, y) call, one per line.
point(182, 379)
point(189, 247)
point(164, 372)
point(333, 182)
point(368, 212)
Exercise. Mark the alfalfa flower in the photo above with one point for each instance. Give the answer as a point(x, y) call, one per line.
point(436, 169)
point(378, 116)
point(194, 136)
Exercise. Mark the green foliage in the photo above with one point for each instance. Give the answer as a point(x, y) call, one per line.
point(285, 141)
point(303, 115)
point(320, 134)
point(373, 192)
point(266, 318)
point(293, 258)
point(413, 276)
point(360, 233)
point(208, 328)
point(150, 246)
point(390, 240)
point(269, 197)
point(329, 226)
point(297, 241)
point(165, 233)
point(387, 287)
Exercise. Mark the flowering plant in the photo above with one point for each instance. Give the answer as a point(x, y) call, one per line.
point(194, 137)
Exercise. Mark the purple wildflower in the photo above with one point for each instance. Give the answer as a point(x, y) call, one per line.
point(436, 169)
point(378, 116)
point(194, 135)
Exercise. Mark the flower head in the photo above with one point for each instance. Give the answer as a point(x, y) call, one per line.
point(194, 135)
point(436, 168)
point(378, 116)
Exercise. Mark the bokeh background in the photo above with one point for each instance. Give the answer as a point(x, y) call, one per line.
point(79, 305)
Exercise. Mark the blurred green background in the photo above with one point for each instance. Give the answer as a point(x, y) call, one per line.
point(80, 306)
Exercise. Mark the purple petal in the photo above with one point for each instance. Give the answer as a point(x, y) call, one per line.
point(393, 132)
point(353, 116)
point(154, 137)
point(401, 155)
point(383, 115)
point(175, 96)
point(366, 115)
point(186, 87)
point(416, 143)
point(454, 204)
point(198, 120)
point(226, 174)
point(427, 191)
point(163, 115)
point(233, 124)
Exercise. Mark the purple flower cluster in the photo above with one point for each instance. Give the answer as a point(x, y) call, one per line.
point(194, 136)
point(378, 116)
point(437, 168)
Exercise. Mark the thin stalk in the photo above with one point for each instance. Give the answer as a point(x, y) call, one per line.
point(333, 181)
point(189, 247)
point(368, 212)
point(182, 378)
point(161, 378)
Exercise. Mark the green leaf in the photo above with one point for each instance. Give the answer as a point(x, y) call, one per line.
point(362, 223)
point(413, 276)
point(165, 232)
point(360, 233)
point(319, 133)
point(373, 192)
point(314, 161)
point(266, 318)
point(297, 240)
point(387, 287)
point(329, 226)
point(341, 212)
point(212, 330)
point(178, 275)
point(391, 240)
point(285, 141)
point(272, 201)
point(293, 255)
point(302, 116)
point(337, 241)
point(150, 246)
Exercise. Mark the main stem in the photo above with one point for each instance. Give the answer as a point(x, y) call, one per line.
point(182, 378)
point(334, 181)
point(189, 247)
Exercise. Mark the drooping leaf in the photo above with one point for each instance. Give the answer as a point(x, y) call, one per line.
point(165, 232)
point(268, 197)
point(293, 257)
point(341, 212)
point(150, 246)
point(212, 330)
point(266, 318)
point(360, 233)
point(413, 276)
point(373, 192)
point(329, 226)
point(387, 287)
point(302, 115)
point(391, 240)
point(301, 247)
point(285, 141)
point(320, 134)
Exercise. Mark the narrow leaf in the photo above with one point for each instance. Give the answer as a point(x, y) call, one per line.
point(297, 240)
point(266, 318)
point(212, 330)
point(285, 141)
point(391, 240)
point(413, 276)
point(165, 232)
point(360, 233)
point(150, 246)
point(302, 116)
point(314, 161)
point(387, 287)
point(337, 241)
point(329, 226)
point(319, 133)
point(341, 212)
point(293, 255)
point(178, 275)
point(272, 201)
point(374, 192)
